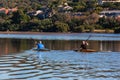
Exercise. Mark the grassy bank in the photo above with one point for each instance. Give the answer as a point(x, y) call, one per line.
point(30, 32)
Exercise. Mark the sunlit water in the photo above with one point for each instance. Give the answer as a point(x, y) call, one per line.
point(74, 36)
point(60, 64)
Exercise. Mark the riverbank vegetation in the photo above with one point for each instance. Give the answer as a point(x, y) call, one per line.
point(59, 20)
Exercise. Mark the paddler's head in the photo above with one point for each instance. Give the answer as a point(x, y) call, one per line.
point(40, 41)
point(83, 42)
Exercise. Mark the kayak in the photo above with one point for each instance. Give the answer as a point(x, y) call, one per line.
point(85, 50)
point(45, 49)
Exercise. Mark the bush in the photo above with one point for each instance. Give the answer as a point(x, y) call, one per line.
point(107, 30)
point(117, 30)
point(92, 29)
point(79, 29)
point(61, 27)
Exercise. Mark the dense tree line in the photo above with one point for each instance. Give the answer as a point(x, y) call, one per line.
point(58, 22)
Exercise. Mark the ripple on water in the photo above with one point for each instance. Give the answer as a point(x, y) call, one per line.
point(80, 67)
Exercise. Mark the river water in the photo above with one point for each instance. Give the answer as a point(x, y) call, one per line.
point(18, 61)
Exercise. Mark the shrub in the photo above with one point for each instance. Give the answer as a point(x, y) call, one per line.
point(117, 30)
point(92, 29)
point(61, 27)
point(79, 29)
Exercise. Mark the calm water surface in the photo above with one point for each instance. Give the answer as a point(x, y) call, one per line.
point(19, 62)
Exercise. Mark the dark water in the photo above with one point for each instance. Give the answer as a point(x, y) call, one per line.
point(19, 62)
point(8, 46)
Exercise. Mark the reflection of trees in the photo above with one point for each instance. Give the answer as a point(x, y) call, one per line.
point(94, 45)
point(5, 46)
point(116, 46)
point(75, 44)
point(14, 45)
point(110, 45)
point(17, 45)
point(63, 44)
point(21, 44)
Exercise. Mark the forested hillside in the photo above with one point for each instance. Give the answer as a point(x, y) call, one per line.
point(57, 16)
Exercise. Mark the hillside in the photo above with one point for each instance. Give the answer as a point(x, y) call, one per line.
point(57, 16)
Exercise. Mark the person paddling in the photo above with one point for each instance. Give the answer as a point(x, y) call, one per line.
point(84, 45)
point(40, 45)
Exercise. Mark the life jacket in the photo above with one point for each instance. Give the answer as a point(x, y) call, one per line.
point(40, 46)
point(83, 46)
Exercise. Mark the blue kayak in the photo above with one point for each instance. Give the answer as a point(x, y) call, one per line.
point(45, 49)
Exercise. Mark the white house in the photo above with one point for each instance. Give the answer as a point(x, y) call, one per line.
point(110, 13)
point(102, 1)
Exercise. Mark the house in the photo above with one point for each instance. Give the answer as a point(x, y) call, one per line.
point(64, 8)
point(41, 13)
point(110, 0)
point(4, 10)
point(38, 12)
point(110, 13)
point(7, 11)
point(103, 1)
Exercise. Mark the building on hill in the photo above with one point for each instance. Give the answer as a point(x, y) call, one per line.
point(64, 8)
point(41, 13)
point(7, 11)
point(110, 13)
point(110, 0)
point(103, 1)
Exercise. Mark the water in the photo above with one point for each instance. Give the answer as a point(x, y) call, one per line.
point(69, 36)
point(19, 62)
point(60, 65)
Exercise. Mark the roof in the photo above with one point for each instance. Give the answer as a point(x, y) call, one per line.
point(111, 11)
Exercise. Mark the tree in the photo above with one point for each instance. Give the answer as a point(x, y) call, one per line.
point(91, 5)
point(33, 25)
point(92, 19)
point(117, 30)
point(19, 17)
point(59, 17)
point(108, 23)
point(79, 29)
point(79, 6)
point(47, 24)
point(61, 27)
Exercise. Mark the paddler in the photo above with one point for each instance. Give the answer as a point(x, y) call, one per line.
point(40, 45)
point(84, 45)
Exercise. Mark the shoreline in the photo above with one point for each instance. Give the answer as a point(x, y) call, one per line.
point(30, 32)
point(15, 32)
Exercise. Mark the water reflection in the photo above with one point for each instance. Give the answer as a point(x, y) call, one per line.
point(74, 44)
point(18, 45)
point(68, 66)
point(14, 45)
point(19, 62)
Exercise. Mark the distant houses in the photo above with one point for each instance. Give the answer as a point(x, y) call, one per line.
point(41, 13)
point(110, 13)
point(46, 12)
point(8, 10)
point(64, 8)
point(110, 0)
point(104, 1)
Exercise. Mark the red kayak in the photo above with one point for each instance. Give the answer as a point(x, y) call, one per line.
point(85, 50)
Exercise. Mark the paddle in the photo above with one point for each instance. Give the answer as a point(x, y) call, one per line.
point(88, 38)
point(34, 41)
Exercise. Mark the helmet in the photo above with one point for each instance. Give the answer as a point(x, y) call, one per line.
point(83, 42)
point(40, 41)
